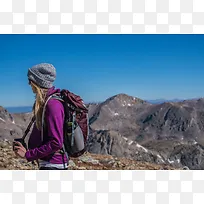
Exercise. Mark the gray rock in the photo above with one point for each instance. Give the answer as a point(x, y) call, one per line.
point(71, 164)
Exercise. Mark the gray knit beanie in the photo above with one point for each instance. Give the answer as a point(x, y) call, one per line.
point(43, 75)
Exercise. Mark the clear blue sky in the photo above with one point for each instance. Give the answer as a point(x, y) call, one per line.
point(99, 66)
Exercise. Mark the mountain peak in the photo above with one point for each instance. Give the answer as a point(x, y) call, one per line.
point(126, 99)
point(2, 108)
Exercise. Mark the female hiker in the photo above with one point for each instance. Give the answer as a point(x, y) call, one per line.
point(45, 148)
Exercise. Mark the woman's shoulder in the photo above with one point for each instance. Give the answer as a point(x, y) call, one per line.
point(55, 104)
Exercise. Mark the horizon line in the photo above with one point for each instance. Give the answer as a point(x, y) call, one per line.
point(162, 99)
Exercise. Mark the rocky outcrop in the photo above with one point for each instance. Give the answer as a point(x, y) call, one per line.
point(12, 125)
point(5, 116)
point(190, 155)
point(112, 143)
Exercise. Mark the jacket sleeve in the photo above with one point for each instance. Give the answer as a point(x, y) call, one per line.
point(54, 117)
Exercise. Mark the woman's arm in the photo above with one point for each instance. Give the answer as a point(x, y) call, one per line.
point(54, 122)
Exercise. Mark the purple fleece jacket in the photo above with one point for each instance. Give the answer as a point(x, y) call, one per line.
point(53, 135)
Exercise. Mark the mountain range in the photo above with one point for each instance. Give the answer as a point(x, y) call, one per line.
point(169, 133)
point(162, 100)
point(26, 109)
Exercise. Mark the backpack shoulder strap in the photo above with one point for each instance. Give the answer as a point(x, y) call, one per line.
point(56, 96)
point(43, 117)
point(28, 127)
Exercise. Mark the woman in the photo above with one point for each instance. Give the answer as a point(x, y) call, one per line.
point(46, 149)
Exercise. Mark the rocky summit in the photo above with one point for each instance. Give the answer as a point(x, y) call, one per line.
point(123, 126)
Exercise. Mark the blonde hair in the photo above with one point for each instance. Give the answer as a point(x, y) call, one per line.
point(39, 103)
